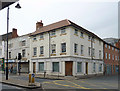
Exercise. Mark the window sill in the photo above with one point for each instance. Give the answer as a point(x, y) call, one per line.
point(76, 34)
point(75, 53)
point(41, 39)
point(34, 40)
point(34, 56)
point(63, 53)
point(41, 55)
point(63, 34)
point(82, 55)
point(24, 58)
point(52, 54)
point(82, 37)
point(52, 36)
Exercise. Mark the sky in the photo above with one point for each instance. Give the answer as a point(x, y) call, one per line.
point(97, 16)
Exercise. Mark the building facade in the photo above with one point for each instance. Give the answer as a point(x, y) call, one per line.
point(66, 49)
point(3, 45)
point(20, 45)
point(111, 59)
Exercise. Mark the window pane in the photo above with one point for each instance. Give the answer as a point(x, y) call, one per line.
point(35, 51)
point(41, 50)
point(62, 31)
point(23, 53)
point(53, 48)
point(81, 49)
point(55, 66)
point(63, 47)
point(76, 31)
point(79, 66)
point(41, 36)
point(81, 34)
point(75, 48)
point(41, 66)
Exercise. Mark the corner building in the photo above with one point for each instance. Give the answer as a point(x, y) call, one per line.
point(65, 49)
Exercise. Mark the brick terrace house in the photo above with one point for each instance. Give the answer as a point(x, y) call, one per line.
point(111, 59)
point(118, 45)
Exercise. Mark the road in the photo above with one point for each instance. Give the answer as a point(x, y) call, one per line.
point(102, 82)
point(9, 87)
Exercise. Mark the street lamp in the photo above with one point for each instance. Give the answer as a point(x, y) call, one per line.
point(17, 6)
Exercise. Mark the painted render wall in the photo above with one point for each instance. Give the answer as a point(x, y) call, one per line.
point(70, 39)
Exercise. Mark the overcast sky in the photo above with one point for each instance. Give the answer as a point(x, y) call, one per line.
point(97, 16)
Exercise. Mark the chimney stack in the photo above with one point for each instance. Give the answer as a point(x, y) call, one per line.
point(14, 33)
point(39, 25)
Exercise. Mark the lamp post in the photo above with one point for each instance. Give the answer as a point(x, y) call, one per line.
point(17, 6)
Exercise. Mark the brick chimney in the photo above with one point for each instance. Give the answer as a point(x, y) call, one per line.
point(14, 33)
point(39, 25)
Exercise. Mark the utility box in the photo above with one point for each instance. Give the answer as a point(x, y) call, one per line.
point(31, 79)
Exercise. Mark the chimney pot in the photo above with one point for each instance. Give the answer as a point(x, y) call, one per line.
point(39, 25)
point(14, 33)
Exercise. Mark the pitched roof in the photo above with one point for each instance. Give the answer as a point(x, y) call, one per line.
point(4, 36)
point(52, 26)
point(61, 24)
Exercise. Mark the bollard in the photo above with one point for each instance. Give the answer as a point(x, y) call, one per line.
point(29, 78)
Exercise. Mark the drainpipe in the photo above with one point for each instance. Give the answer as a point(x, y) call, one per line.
point(92, 48)
point(49, 43)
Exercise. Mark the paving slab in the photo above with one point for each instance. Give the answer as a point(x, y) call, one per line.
point(19, 83)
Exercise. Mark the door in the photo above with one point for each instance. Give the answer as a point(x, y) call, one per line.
point(33, 67)
point(68, 68)
point(87, 68)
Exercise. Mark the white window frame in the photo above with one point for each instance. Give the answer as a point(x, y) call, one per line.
point(35, 51)
point(40, 68)
point(82, 50)
point(63, 31)
point(79, 64)
point(41, 36)
point(81, 34)
point(75, 48)
point(41, 50)
point(23, 53)
point(76, 32)
point(53, 48)
point(89, 51)
point(63, 47)
point(53, 32)
point(53, 70)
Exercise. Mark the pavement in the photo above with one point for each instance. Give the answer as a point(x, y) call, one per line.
point(18, 82)
point(51, 83)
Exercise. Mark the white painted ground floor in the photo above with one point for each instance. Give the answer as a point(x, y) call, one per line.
point(66, 66)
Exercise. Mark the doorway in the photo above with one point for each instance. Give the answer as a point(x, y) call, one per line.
point(87, 68)
point(68, 68)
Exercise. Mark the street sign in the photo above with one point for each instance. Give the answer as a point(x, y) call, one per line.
point(6, 3)
point(33, 75)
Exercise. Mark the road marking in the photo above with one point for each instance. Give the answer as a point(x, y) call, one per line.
point(76, 85)
point(46, 82)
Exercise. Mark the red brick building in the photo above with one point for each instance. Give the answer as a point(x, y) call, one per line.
point(118, 45)
point(111, 59)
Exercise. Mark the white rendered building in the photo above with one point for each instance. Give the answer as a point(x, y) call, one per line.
point(64, 48)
